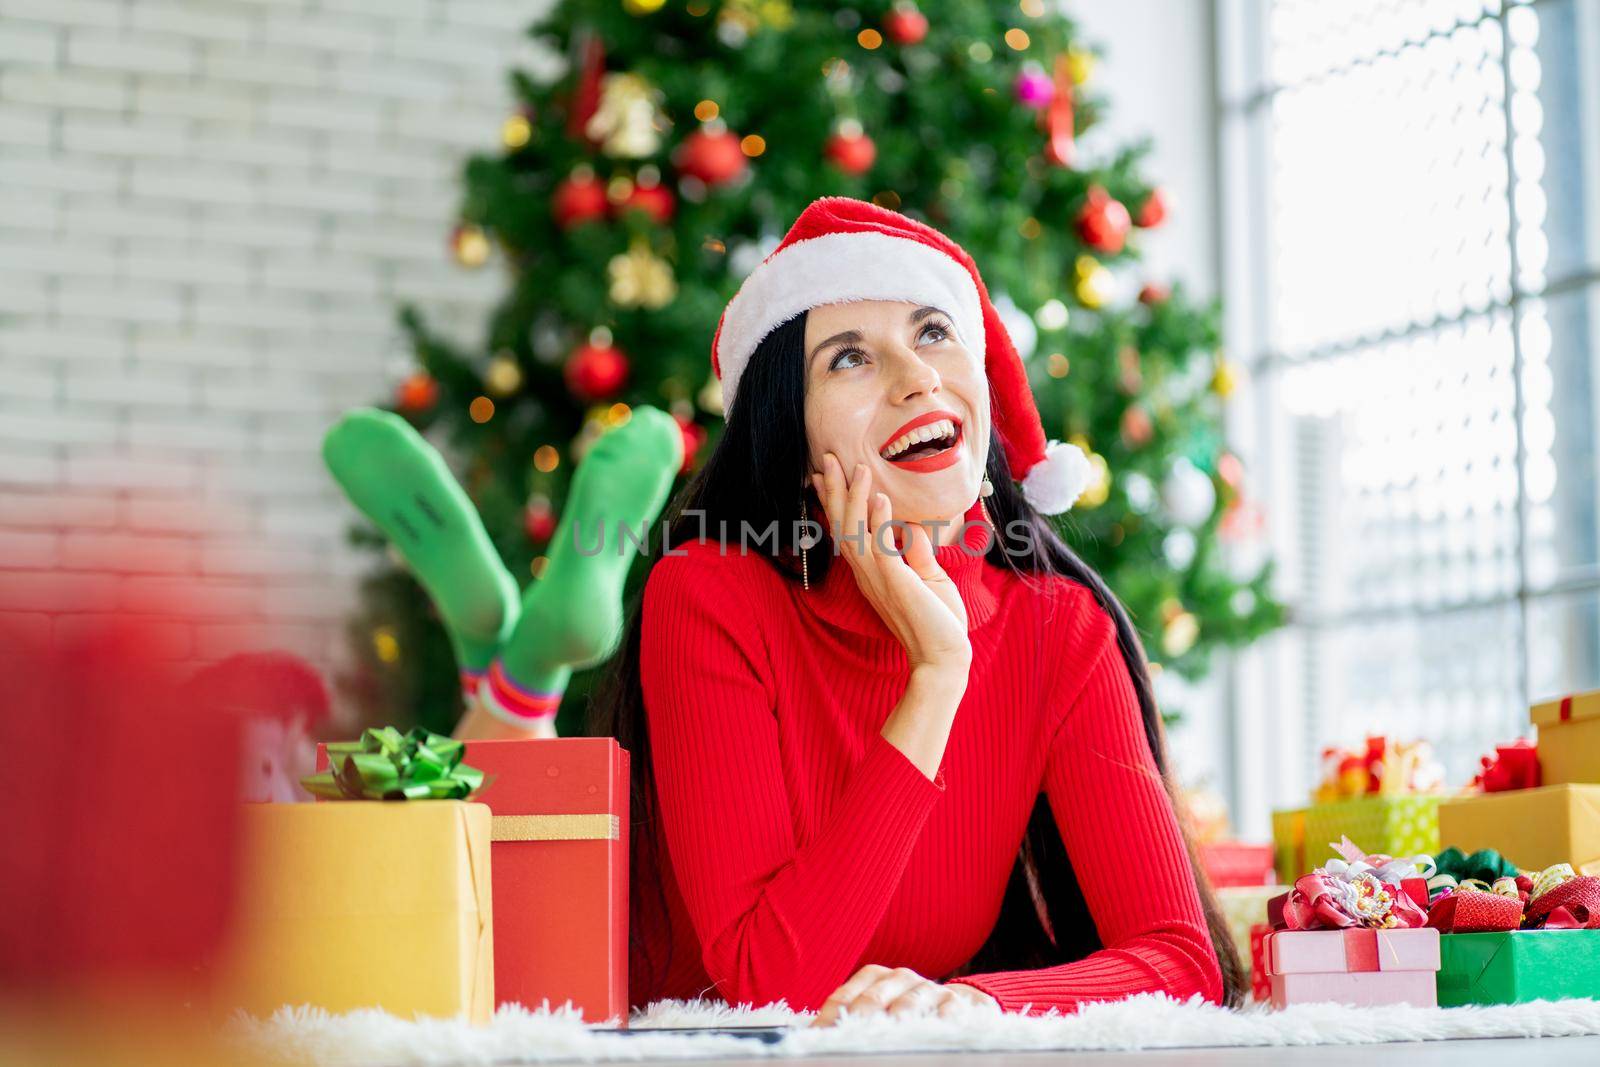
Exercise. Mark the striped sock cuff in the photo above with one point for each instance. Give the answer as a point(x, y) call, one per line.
point(511, 702)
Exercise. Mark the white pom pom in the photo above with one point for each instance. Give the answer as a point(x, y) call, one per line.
point(1056, 482)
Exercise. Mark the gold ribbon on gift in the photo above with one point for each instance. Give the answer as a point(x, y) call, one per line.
point(598, 827)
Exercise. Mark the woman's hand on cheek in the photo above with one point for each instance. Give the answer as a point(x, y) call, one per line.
point(905, 585)
point(876, 989)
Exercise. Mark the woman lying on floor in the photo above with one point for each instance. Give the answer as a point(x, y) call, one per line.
point(931, 772)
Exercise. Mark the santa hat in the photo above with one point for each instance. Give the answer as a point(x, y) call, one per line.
point(843, 249)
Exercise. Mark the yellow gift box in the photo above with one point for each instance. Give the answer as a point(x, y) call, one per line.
point(1569, 738)
point(357, 904)
point(1401, 824)
point(1533, 828)
point(1245, 906)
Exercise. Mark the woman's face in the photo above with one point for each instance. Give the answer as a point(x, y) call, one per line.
point(880, 376)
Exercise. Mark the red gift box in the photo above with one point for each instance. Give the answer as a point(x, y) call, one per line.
point(560, 863)
point(1232, 863)
point(1260, 981)
point(558, 870)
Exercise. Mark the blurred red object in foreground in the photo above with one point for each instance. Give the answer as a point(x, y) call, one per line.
point(281, 700)
point(121, 815)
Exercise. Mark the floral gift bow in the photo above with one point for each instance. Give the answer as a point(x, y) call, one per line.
point(1357, 890)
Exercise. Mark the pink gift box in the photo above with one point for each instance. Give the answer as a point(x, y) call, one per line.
point(1353, 966)
point(1361, 988)
point(1355, 950)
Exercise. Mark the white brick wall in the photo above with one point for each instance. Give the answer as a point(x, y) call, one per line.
point(201, 254)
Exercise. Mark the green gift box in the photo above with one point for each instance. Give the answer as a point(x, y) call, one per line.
point(1289, 844)
point(1516, 966)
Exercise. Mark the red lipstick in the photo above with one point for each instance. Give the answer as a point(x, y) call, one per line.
point(935, 462)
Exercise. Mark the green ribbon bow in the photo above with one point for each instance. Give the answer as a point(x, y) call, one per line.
point(388, 765)
point(1482, 868)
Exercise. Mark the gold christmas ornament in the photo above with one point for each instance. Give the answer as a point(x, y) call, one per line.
point(640, 278)
point(1180, 634)
point(1100, 488)
point(777, 14)
point(1225, 378)
point(642, 7)
point(503, 377)
point(1094, 283)
point(1080, 65)
point(470, 245)
point(385, 645)
point(751, 15)
point(628, 121)
point(516, 131)
point(710, 396)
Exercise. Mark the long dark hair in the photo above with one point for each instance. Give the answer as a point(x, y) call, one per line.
point(754, 475)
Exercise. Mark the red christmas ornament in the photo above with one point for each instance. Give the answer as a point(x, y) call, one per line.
point(1243, 519)
point(1231, 470)
point(1103, 222)
point(539, 521)
point(905, 25)
point(1153, 211)
point(655, 200)
point(581, 197)
point(1059, 119)
point(1153, 294)
point(851, 154)
point(1130, 370)
point(417, 393)
point(694, 435)
point(714, 158)
point(596, 372)
point(1136, 427)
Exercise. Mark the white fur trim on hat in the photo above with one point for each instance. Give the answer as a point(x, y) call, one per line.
point(1056, 482)
point(837, 267)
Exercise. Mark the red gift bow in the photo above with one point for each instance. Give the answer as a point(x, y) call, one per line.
point(1513, 766)
point(1469, 913)
point(1570, 905)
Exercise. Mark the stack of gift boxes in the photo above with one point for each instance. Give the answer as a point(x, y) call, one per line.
point(448, 906)
point(441, 905)
point(1484, 930)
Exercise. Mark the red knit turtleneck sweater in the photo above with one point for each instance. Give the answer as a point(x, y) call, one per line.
point(801, 845)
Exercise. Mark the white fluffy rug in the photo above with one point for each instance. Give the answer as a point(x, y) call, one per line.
point(1145, 1022)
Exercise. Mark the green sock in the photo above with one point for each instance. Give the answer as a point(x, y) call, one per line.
point(400, 482)
point(572, 616)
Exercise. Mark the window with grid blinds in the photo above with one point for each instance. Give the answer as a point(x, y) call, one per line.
point(1425, 269)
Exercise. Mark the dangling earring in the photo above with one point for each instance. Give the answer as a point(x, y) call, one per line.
point(984, 492)
point(805, 542)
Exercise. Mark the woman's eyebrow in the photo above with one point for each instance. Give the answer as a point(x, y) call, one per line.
point(838, 338)
point(855, 335)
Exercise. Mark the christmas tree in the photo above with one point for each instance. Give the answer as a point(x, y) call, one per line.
point(632, 192)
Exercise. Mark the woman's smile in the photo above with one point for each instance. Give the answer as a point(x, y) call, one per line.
point(929, 442)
